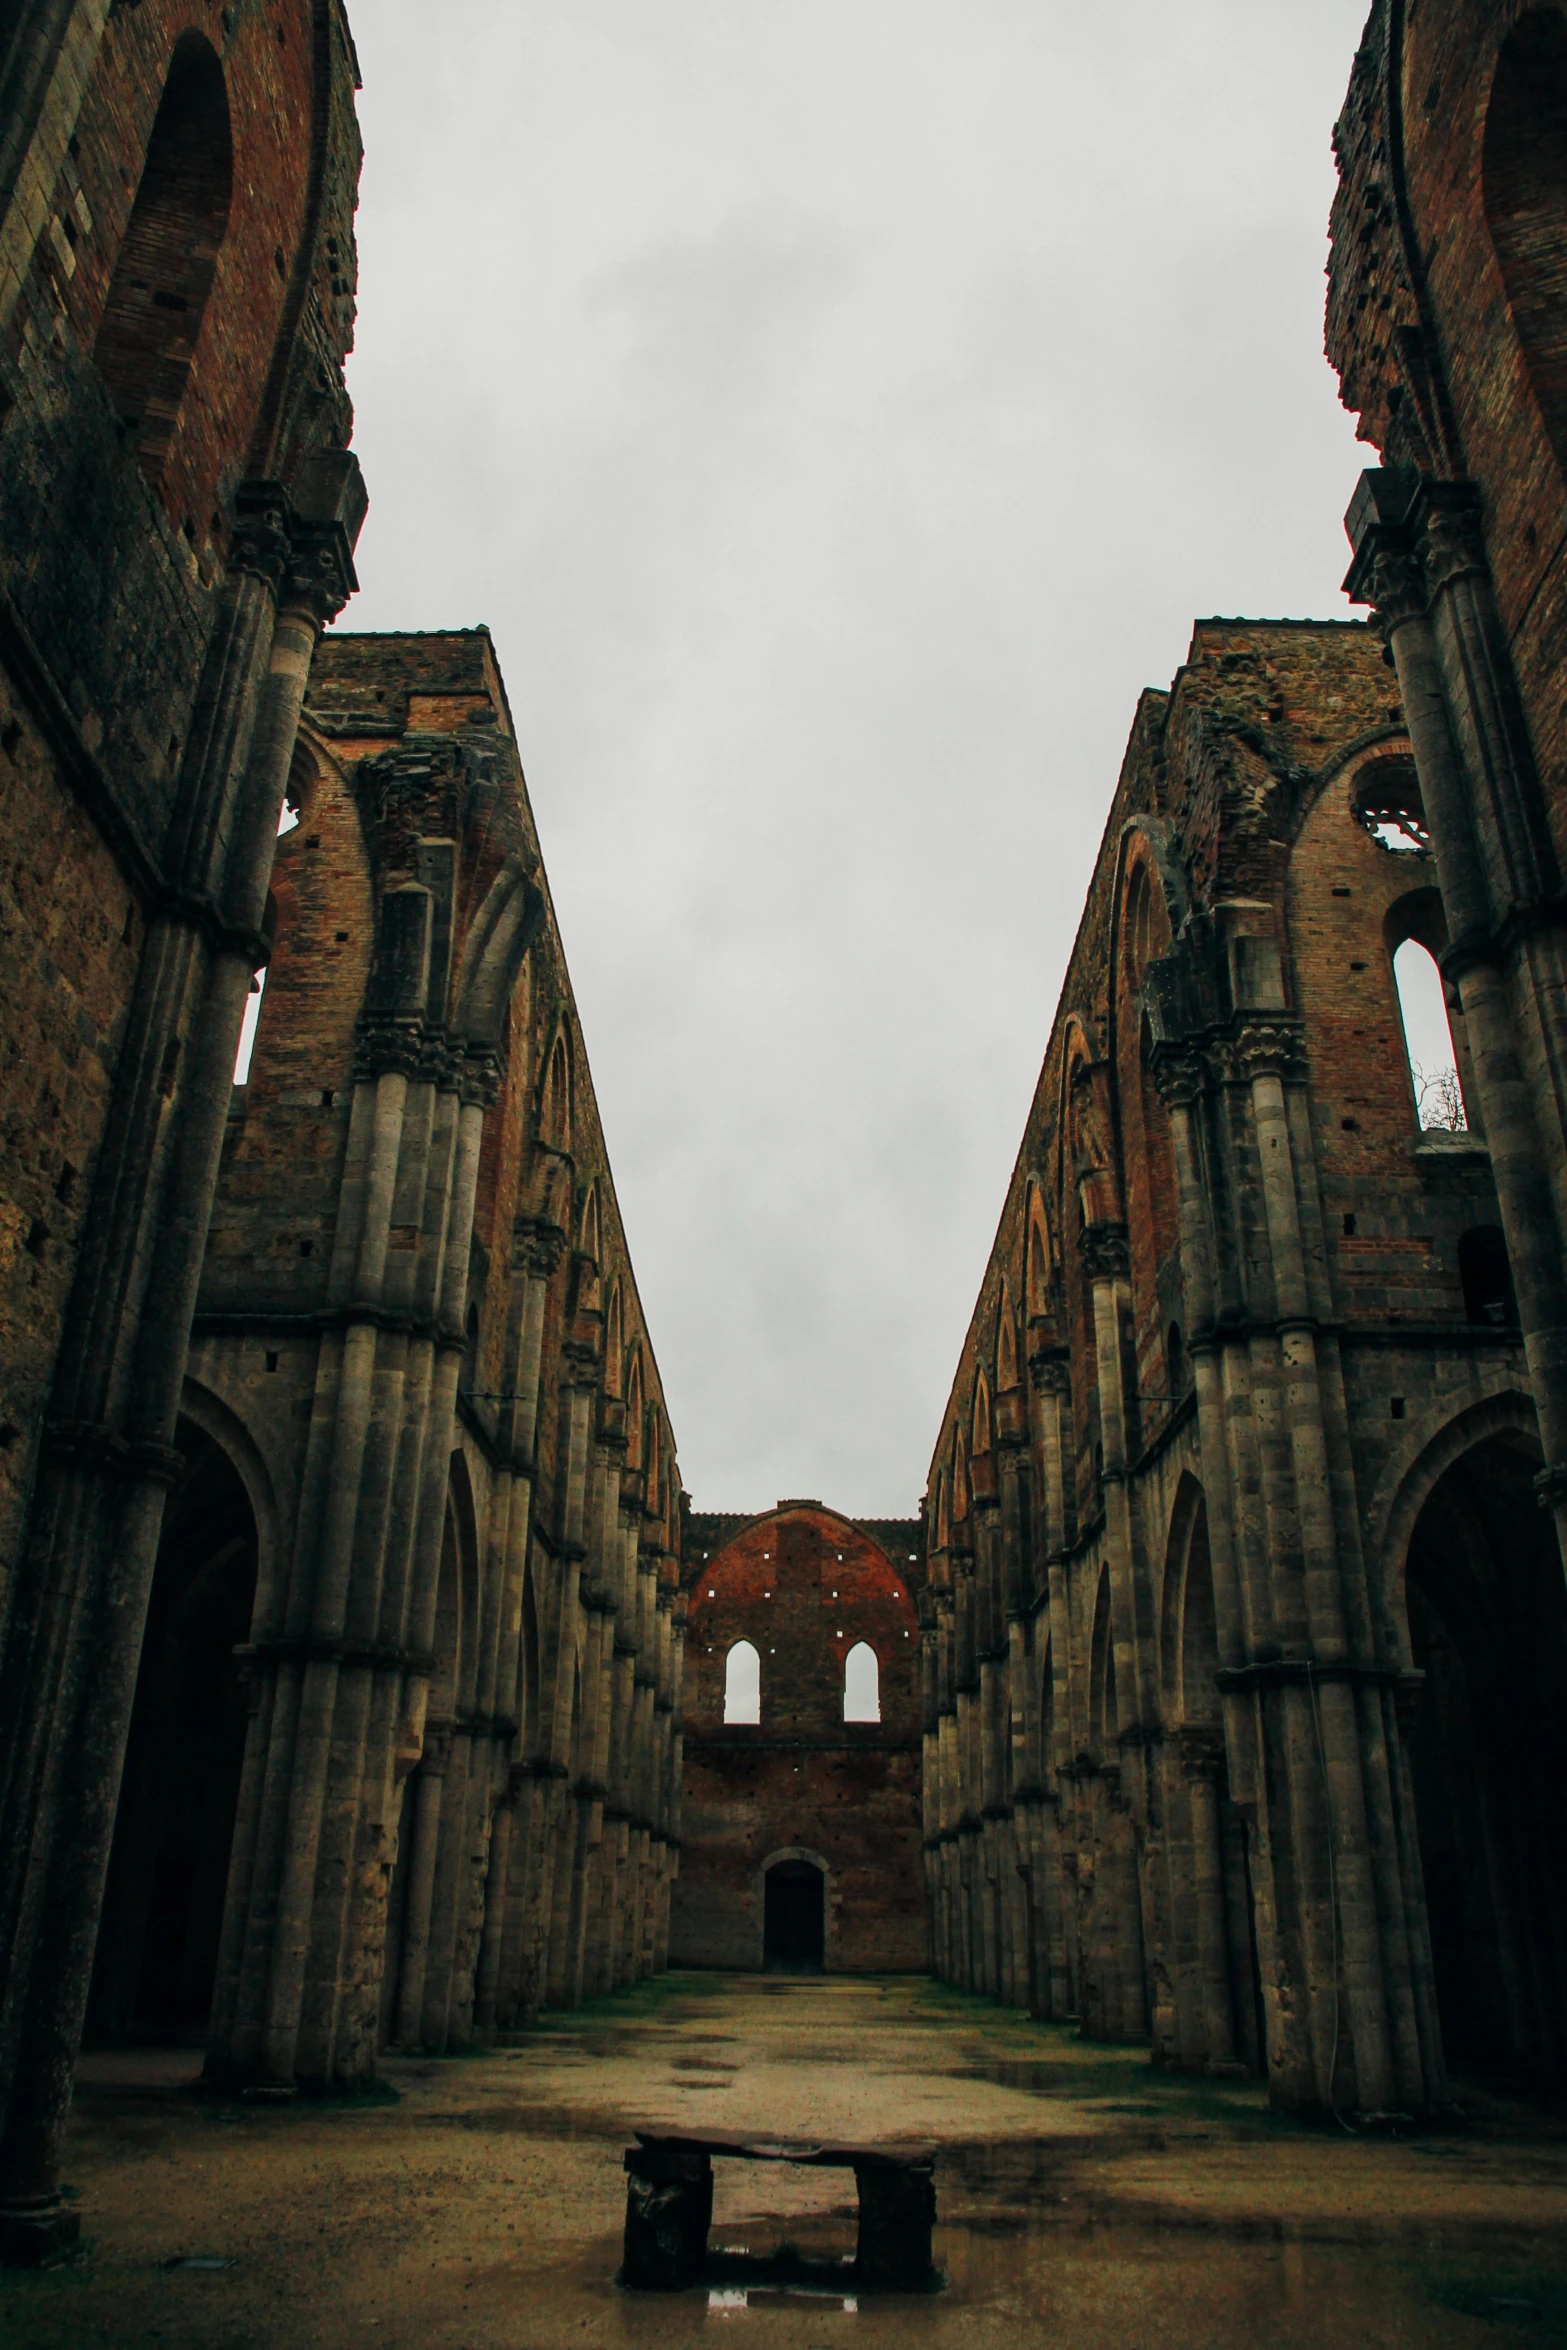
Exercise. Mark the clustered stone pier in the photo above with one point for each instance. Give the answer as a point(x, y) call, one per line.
point(345, 1567)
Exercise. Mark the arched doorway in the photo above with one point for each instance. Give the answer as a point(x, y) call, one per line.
point(1488, 1758)
point(794, 1918)
point(168, 1871)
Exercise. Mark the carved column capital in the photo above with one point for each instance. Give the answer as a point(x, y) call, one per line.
point(1386, 572)
point(1201, 1748)
point(319, 573)
point(479, 1080)
point(1270, 1048)
point(1103, 1248)
point(1180, 1073)
point(388, 1042)
point(259, 540)
point(1447, 535)
point(537, 1247)
point(1550, 1486)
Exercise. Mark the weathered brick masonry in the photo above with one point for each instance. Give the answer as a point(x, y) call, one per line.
point(176, 297)
point(1447, 321)
point(1447, 324)
point(801, 1787)
point(1246, 1631)
point(344, 1567)
point(419, 1346)
point(1241, 1629)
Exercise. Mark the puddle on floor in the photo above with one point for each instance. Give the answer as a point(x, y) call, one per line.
point(728, 2298)
point(1054, 2267)
point(1100, 2286)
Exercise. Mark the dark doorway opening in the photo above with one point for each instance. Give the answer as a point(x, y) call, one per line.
point(794, 1919)
point(1488, 1759)
point(1487, 1277)
point(168, 1871)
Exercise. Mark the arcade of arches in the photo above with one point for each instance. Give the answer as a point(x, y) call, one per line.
point(1244, 1616)
point(367, 1679)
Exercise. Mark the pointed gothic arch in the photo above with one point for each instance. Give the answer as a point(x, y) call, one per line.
point(152, 318)
point(507, 922)
point(1008, 1374)
point(1039, 1257)
point(590, 1232)
point(1524, 188)
point(981, 1422)
point(635, 1409)
point(555, 1095)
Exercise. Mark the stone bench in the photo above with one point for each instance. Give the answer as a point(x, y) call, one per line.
point(669, 2207)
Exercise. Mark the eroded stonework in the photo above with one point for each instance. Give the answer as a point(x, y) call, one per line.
point(344, 1565)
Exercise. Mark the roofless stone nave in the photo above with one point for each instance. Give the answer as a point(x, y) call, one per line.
point(347, 1584)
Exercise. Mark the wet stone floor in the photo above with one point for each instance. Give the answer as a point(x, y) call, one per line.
point(1082, 2197)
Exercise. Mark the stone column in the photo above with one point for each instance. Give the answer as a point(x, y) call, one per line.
point(538, 1248)
point(487, 1975)
point(1420, 562)
point(673, 1754)
point(73, 1639)
point(966, 1691)
point(428, 1796)
point(1202, 1768)
point(1105, 1260)
point(1332, 1724)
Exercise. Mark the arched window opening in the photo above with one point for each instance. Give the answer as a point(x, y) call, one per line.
point(469, 1377)
point(1175, 1361)
point(1487, 1278)
point(1139, 940)
point(613, 1343)
point(1487, 1746)
point(634, 1412)
point(592, 1244)
point(1386, 801)
point(555, 1110)
point(157, 1952)
point(1524, 178)
point(164, 269)
point(1152, 1173)
point(1007, 1373)
point(248, 1026)
point(861, 1684)
point(1428, 1040)
point(251, 1019)
point(742, 1684)
point(1038, 1268)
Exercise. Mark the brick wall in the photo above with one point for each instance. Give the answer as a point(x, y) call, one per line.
point(111, 583)
point(803, 1586)
point(1449, 244)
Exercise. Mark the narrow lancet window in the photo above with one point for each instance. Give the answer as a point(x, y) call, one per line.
point(861, 1684)
point(742, 1684)
point(1428, 1040)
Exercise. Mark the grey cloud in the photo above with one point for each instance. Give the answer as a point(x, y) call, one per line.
point(838, 411)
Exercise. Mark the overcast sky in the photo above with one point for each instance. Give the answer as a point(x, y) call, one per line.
point(838, 410)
